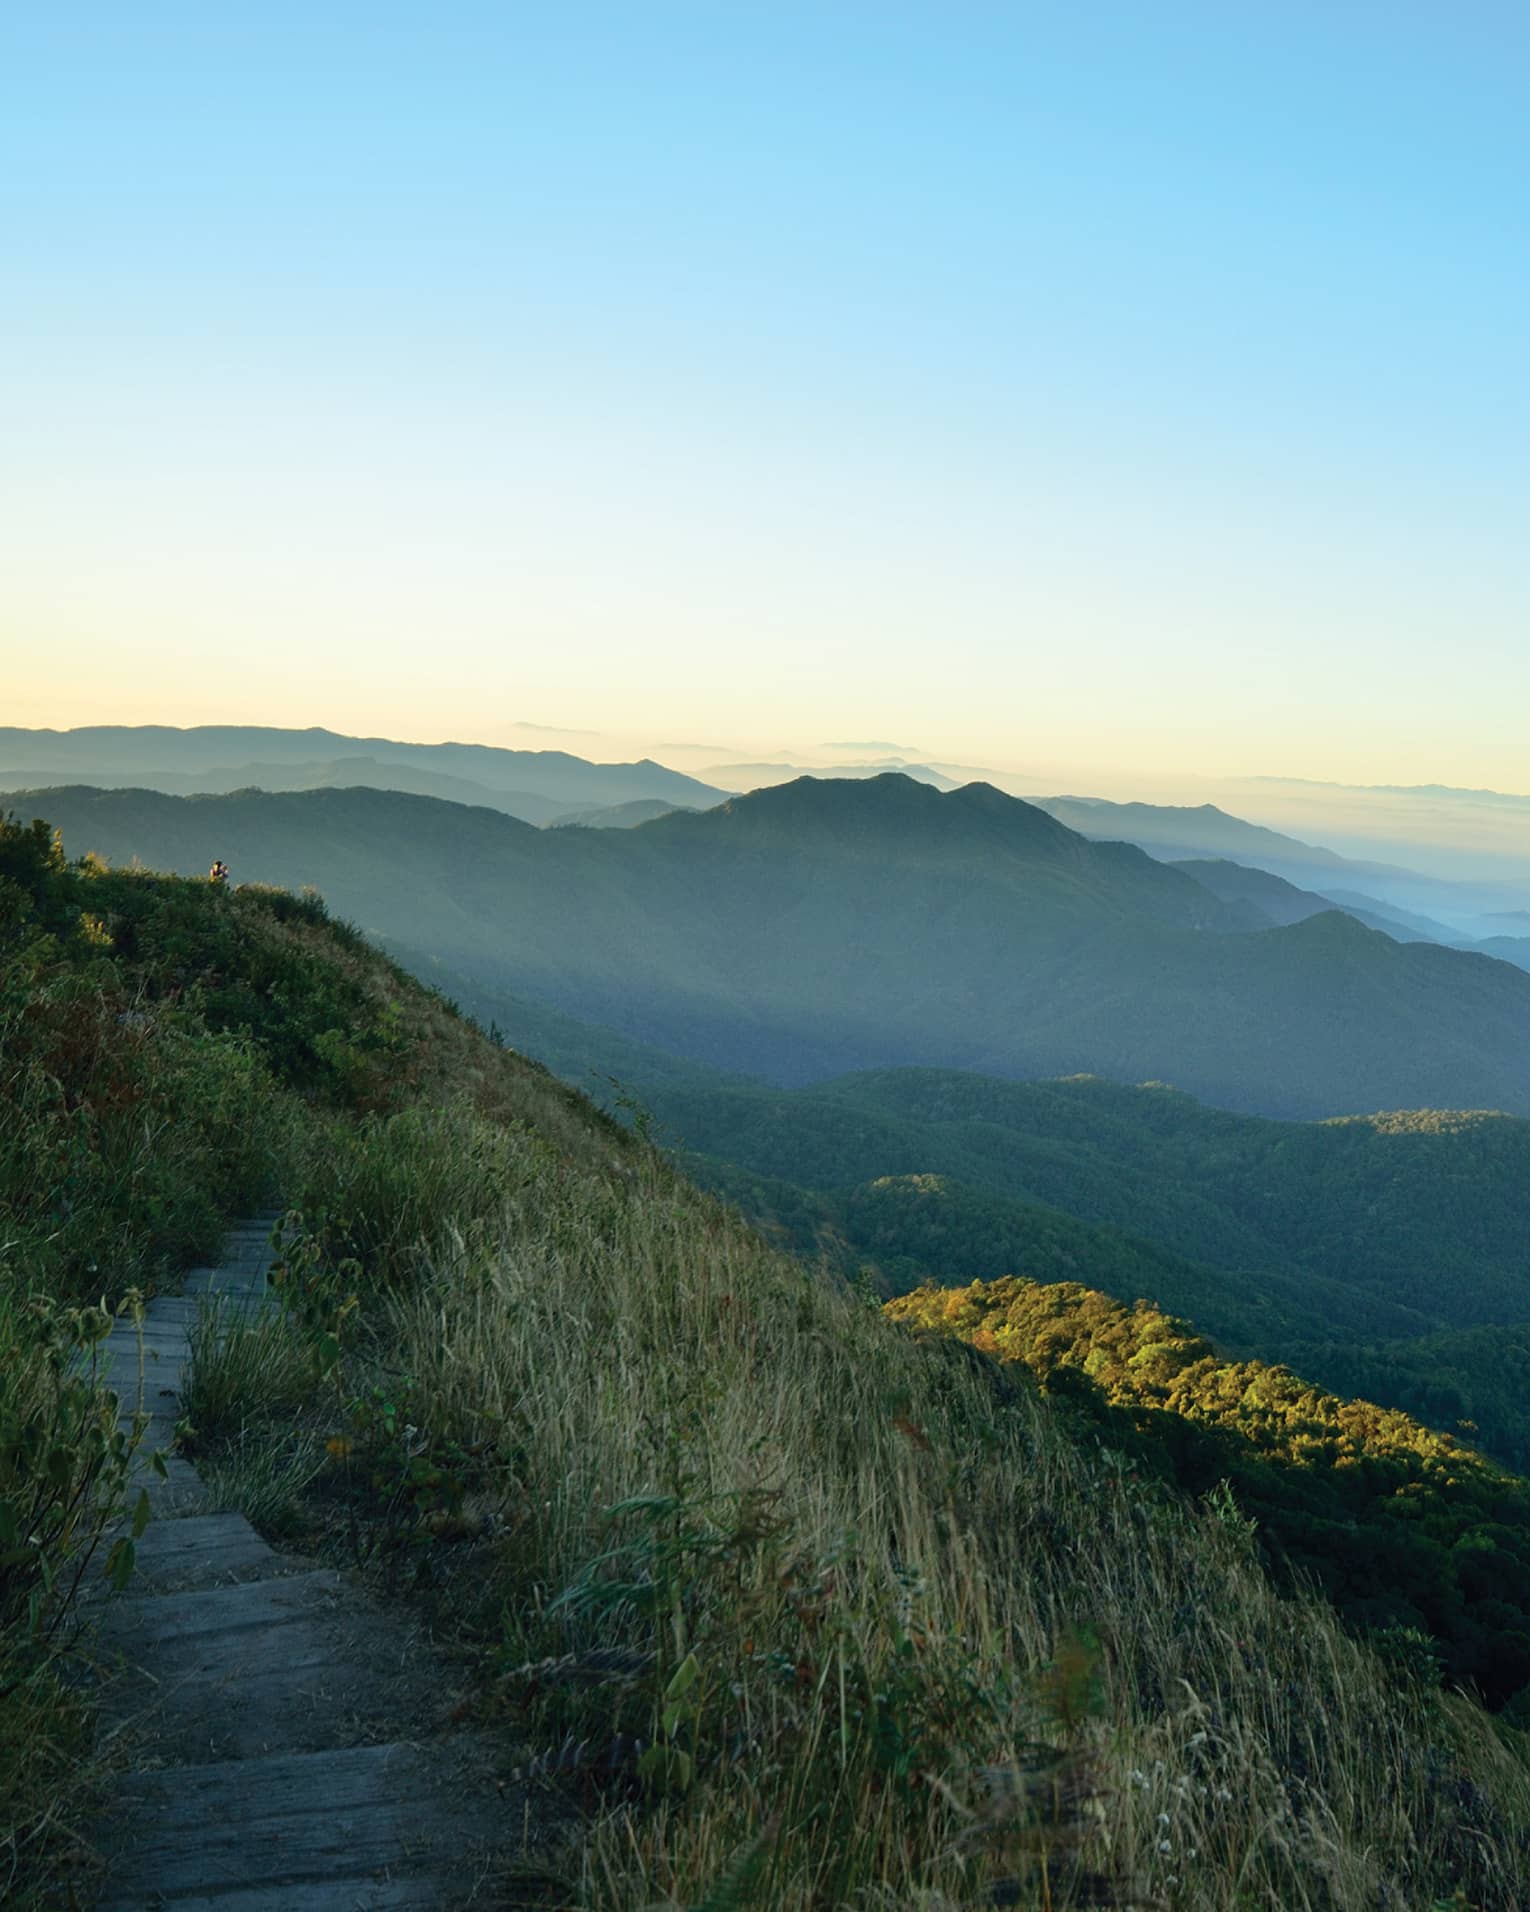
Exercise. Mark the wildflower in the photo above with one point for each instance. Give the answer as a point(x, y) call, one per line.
point(1163, 1819)
point(1164, 1846)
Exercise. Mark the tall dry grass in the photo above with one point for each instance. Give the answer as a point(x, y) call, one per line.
point(823, 1615)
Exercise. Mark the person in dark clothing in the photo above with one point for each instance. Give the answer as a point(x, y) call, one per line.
point(218, 873)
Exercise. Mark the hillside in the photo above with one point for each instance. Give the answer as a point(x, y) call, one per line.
point(817, 928)
point(1450, 877)
point(809, 1611)
point(1508, 949)
point(897, 1230)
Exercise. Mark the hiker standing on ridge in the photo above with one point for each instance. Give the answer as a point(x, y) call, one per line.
point(218, 874)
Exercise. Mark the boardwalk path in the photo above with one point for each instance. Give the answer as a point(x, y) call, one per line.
point(281, 1723)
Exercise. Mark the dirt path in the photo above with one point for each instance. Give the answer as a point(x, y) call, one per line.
point(283, 1728)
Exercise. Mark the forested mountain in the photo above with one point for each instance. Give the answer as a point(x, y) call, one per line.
point(1451, 896)
point(1508, 949)
point(1474, 1380)
point(341, 773)
point(894, 1232)
point(621, 816)
point(1424, 1211)
point(1371, 1253)
point(820, 927)
point(760, 776)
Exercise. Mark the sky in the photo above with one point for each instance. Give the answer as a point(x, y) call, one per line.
point(1138, 389)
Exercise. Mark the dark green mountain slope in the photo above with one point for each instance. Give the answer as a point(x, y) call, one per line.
point(910, 1227)
point(1423, 1213)
point(1474, 1379)
point(816, 928)
point(1387, 1256)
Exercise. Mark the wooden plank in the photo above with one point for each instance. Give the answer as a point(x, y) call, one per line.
point(248, 1679)
point(157, 1435)
point(287, 1664)
point(159, 1394)
point(187, 1310)
point(179, 1493)
point(205, 1281)
point(291, 1823)
point(159, 1353)
point(354, 1893)
point(169, 1337)
point(145, 1623)
point(205, 1550)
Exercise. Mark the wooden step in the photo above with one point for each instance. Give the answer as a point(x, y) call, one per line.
point(284, 1664)
point(275, 1708)
point(204, 1551)
point(370, 1826)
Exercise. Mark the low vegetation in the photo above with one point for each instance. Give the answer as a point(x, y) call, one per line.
point(807, 1610)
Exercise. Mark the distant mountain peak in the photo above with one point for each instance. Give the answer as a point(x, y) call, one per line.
point(893, 796)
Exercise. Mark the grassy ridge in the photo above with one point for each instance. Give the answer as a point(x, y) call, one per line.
point(813, 1612)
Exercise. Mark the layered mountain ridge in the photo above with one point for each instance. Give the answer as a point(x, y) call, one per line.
point(820, 927)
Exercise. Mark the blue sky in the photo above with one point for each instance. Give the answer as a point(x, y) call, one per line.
point(1142, 386)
